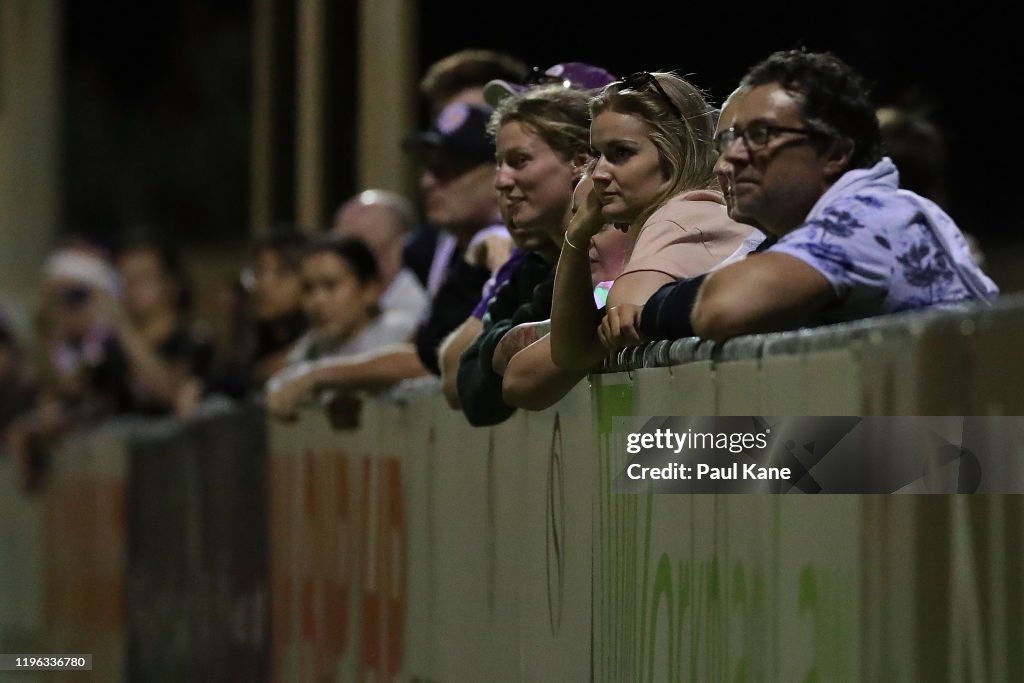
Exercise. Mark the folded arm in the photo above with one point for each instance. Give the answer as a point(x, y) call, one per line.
point(451, 351)
point(532, 380)
point(374, 371)
point(763, 293)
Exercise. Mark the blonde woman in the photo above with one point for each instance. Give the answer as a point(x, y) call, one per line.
point(653, 177)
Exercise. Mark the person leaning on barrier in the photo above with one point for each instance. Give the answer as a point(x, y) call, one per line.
point(81, 373)
point(651, 134)
point(275, 287)
point(457, 159)
point(542, 148)
point(342, 287)
point(569, 75)
point(803, 151)
point(666, 315)
point(531, 379)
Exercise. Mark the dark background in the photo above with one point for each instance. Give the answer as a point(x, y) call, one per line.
point(156, 110)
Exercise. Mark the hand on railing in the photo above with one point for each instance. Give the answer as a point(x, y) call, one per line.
point(289, 389)
point(621, 327)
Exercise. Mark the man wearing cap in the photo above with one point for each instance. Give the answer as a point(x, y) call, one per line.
point(459, 77)
point(458, 197)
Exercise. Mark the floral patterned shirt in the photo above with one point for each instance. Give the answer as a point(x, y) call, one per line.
point(884, 250)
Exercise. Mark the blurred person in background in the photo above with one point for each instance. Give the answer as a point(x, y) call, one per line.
point(16, 390)
point(457, 78)
point(461, 77)
point(80, 366)
point(342, 288)
point(168, 356)
point(918, 148)
point(384, 221)
point(275, 286)
point(457, 158)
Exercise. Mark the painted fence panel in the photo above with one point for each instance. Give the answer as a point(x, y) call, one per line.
point(412, 547)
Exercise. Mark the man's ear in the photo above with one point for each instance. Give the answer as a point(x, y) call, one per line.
point(837, 157)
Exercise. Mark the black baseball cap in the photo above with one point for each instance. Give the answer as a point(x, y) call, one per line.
point(459, 133)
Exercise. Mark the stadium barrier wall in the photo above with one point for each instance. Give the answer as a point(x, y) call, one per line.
point(413, 547)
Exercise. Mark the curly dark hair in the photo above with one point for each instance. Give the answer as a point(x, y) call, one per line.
point(835, 98)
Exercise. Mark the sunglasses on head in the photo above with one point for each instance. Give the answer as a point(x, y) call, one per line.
point(641, 79)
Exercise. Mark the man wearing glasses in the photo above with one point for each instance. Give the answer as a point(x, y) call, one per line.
point(801, 151)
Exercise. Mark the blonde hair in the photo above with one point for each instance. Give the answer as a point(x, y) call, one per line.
point(681, 131)
point(559, 116)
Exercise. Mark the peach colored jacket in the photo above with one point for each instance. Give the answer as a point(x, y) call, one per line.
point(688, 236)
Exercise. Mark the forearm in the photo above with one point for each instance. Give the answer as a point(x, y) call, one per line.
point(478, 385)
point(763, 293)
point(375, 371)
point(574, 315)
point(636, 287)
point(666, 314)
point(517, 339)
point(532, 380)
point(450, 353)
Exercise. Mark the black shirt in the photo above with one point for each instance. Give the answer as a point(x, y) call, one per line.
point(525, 297)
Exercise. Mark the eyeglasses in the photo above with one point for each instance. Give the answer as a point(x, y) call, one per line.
point(642, 79)
point(756, 136)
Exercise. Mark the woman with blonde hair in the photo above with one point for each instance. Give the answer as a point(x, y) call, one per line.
point(653, 177)
point(541, 140)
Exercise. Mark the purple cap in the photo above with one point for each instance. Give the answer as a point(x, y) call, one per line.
point(576, 75)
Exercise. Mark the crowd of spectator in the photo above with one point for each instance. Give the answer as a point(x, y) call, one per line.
point(568, 213)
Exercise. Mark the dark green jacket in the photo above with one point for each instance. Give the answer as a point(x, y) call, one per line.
point(526, 297)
